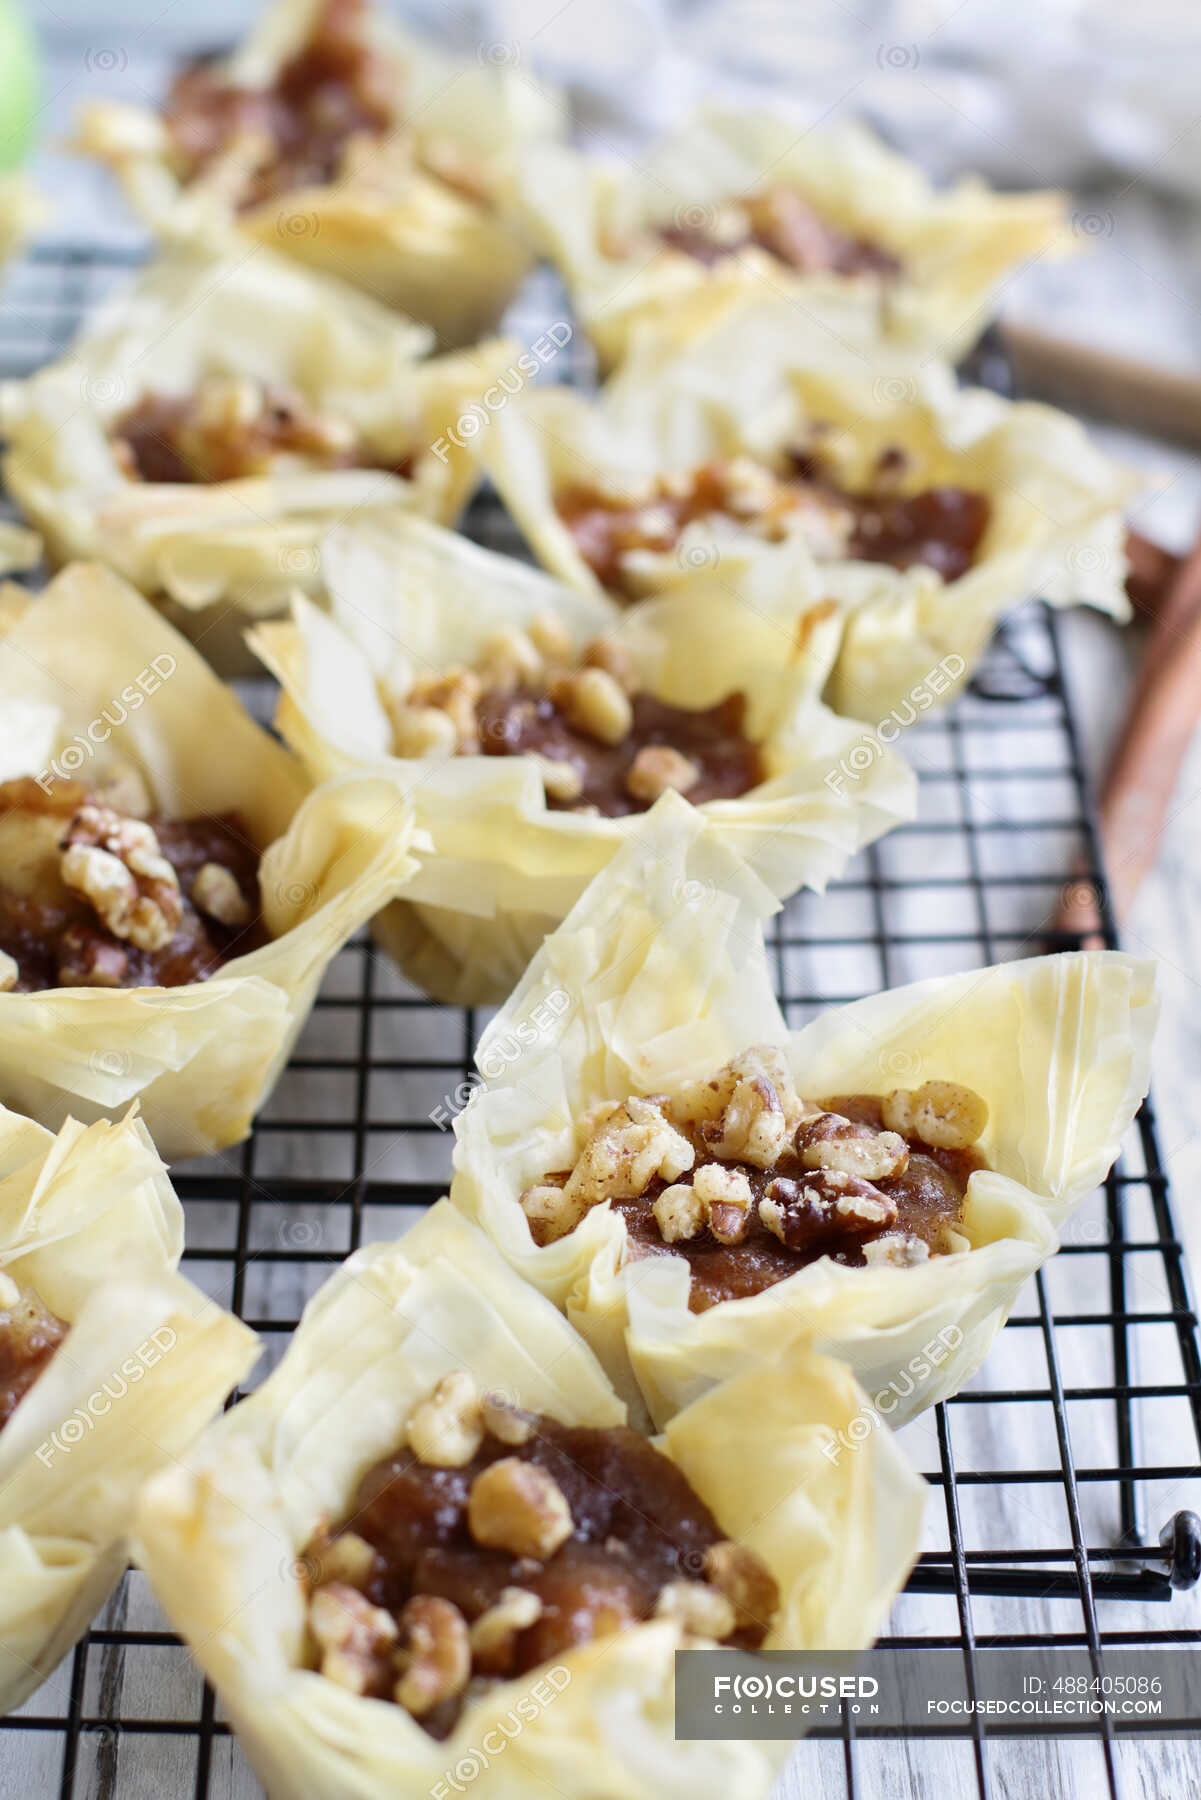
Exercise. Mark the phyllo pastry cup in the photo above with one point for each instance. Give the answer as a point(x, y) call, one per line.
point(751, 444)
point(112, 1363)
point(849, 230)
point(221, 413)
point(120, 748)
point(334, 135)
point(909, 1244)
point(515, 848)
point(405, 1338)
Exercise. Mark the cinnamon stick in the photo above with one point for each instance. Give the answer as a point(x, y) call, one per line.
point(1158, 731)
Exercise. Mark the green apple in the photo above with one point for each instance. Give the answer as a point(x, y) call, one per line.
point(18, 84)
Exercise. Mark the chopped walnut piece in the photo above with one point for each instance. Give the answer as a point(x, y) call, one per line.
point(828, 1203)
point(446, 1430)
point(942, 1113)
point(116, 863)
point(750, 487)
point(702, 1102)
point(422, 731)
point(455, 693)
point(434, 1655)
point(658, 767)
point(347, 1559)
point(745, 1580)
point(510, 659)
point(561, 779)
point(215, 891)
point(352, 1635)
point(615, 658)
point(632, 1146)
point(551, 1211)
point(753, 1126)
point(595, 704)
point(85, 959)
point(504, 1421)
point(494, 1632)
point(699, 1607)
point(895, 1250)
point(679, 1213)
point(727, 1198)
point(550, 636)
point(9, 972)
point(828, 1141)
point(517, 1506)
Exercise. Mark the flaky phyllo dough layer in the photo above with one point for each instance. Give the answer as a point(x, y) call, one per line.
point(659, 977)
point(232, 1527)
point(739, 380)
point(90, 1224)
point(255, 325)
point(600, 223)
point(410, 213)
point(410, 600)
point(91, 676)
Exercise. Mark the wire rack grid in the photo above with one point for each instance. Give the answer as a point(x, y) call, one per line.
point(1061, 1475)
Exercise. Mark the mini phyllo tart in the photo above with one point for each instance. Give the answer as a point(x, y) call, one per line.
point(221, 414)
point(695, 1185)
point(761, 449)
point(533, 723)
point(110, 1363)
point(335, 136)
point(169, 896)
point(430, 1543)
point(830, 217)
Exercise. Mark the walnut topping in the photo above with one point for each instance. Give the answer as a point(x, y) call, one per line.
point(658, 767)
point(615, 658)
point(517, 1506)
point(630, 1147)
point(745, 1580)
point(828, 1203)
point(700, 1608)
point(561, 779)
point(942, 1113)
point(551, 637)
point(435, 1653)
point(506, 1422)
point(447, 1429)
point(727, 1198)
point(829, 1141)
point(594, 703)
point(116, 863)
point(347, 1558)
point(702, 1101)
point(679, 1213)
point(9, 972)
point(351, 1634)
point(423, 731)
point(494, 1632)
point(752, 1127)
point(85, 959)
point(895, 1250)
point(509, 659)
point(215, 891)
point(550, 1212)
point(454, 693)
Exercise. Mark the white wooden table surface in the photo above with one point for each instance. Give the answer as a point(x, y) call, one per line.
point(1135, 291)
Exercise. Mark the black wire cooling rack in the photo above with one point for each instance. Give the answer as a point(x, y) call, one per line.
point(1062, 1475)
